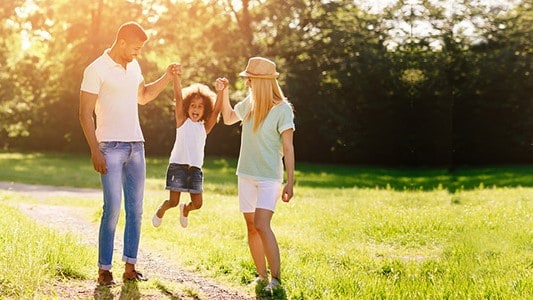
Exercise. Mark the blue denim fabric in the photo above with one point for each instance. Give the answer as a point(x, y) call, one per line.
point(126, 170)
point(184, 178)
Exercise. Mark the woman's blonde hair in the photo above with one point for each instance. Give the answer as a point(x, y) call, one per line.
point(265, 94)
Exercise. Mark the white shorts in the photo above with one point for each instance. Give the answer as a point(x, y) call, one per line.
point(258, 194)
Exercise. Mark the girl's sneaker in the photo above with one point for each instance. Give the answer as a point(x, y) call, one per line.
point(183, 219)
point(156, 221)
point(274, 284)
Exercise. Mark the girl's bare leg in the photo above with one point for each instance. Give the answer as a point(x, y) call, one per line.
point(196, 203)
point(173, 201)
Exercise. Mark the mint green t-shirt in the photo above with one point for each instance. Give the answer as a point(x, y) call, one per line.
point(261, 152)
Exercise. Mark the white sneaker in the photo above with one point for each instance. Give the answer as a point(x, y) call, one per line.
point(184, 221)
point(260, 280)
point(156, 221)
point(274, 284)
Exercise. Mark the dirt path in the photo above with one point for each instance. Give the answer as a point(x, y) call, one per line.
point(74, 220)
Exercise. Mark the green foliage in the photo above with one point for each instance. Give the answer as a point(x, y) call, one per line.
point(408, 85)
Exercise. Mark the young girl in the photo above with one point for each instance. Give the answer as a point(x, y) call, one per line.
point(266, 143)
point(195, 117)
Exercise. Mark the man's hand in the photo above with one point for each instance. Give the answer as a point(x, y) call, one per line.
point(99, 163)
point(174, 69)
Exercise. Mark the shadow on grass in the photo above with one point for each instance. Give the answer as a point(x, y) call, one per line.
point(166, 291)
point(222, 170)
point(278, 293)
point(463, 178)
point(128, 291)
point(102, 293)
point(77, 171)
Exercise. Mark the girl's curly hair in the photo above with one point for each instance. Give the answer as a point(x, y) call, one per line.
point(198, 90)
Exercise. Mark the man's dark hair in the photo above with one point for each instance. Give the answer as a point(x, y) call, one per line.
point(131, 31)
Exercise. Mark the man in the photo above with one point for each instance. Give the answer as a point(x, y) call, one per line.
point(112, 87)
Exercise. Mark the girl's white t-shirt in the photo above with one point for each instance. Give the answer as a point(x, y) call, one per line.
point(189, 144)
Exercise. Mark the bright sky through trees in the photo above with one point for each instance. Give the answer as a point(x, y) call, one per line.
point(402, 30)
point(376, 6)
point(420, 27)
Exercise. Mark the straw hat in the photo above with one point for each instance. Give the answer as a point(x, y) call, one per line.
point(259, 67)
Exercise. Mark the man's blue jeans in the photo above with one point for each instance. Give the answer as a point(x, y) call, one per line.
point(126, 170)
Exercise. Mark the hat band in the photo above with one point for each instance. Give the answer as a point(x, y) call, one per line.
point(248, 74)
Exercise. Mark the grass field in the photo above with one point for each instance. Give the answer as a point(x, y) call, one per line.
point(350, 232)
point(32, 256)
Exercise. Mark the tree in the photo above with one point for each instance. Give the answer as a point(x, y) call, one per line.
point(416, 84)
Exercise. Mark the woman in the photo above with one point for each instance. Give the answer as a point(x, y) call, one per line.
point(266, 142)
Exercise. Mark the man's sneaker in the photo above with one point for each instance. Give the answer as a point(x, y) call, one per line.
point(105, 278)
point(274, 284)
point(184, 221)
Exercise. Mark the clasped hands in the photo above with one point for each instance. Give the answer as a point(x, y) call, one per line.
point(174, 69)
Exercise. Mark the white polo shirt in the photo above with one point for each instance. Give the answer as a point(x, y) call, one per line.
point(117, 116)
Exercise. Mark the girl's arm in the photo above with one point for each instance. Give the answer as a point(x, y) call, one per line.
point(221, 86)
point(179, 111)
point(288, 158)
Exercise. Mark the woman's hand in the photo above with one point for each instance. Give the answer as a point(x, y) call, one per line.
point(287, 193)
point(221, 84)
